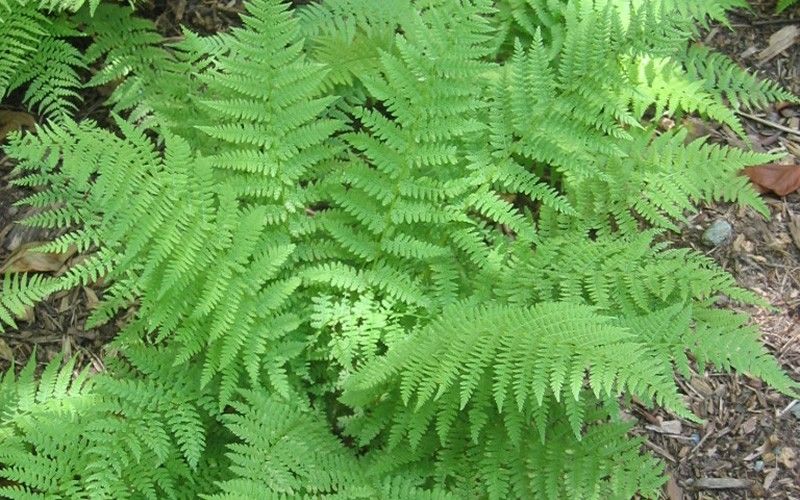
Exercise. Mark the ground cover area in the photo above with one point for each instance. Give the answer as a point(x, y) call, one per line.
point(749, 443)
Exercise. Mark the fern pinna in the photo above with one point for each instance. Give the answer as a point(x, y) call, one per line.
point(401, 252)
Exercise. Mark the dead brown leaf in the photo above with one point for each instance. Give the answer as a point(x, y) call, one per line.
point(179, 9)
point(11, 121)
point(775, 177)
point(674, 492)
point(25, 259)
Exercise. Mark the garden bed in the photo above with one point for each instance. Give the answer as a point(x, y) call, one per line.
point(749, 443)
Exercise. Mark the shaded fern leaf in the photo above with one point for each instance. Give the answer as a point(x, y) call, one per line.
point(284, 450)
point(519, 355)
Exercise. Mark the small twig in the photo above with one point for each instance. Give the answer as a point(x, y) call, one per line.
point(719, 483)
point(173, 39)
point(764, 22)
point(661, 451)
point(788, 407)
point(768, 22)
point(768, 123)
point(701, 442)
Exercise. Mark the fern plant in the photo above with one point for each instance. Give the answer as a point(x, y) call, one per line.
point(37, 53)
point(402, 252)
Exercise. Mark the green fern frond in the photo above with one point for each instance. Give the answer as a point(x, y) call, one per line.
point(430, 267)
point(21, 291)
point(75, 436)
point(283, 449)
point(21, 29)
point(470, 349)
point(348, 36)
point(724, 77)
point(725, 340)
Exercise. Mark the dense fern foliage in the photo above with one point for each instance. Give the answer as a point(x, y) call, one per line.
point(37, 53)
point(365, 249)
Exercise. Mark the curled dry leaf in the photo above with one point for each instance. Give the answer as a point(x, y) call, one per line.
point(11, 121)
point(775, 177)
point(25, 259)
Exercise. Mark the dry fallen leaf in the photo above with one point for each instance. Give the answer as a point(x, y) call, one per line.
point(778, 42)
point(91, 298)
point(25, 259)
point(6, 352)
point(674, 492)
point(14, 120)
point(180, 10)
point(775, 177)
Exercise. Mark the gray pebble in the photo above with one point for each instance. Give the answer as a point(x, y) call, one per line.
point(718, 232)
point(759, 466)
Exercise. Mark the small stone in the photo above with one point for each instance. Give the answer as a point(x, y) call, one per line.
point(718, 232)
point(759, 465)
point(695, 438)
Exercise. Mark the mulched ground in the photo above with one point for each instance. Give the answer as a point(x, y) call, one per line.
point(750, 441)
point(749, 444)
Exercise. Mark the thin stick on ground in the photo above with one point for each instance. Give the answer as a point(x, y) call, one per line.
point(769, 123)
